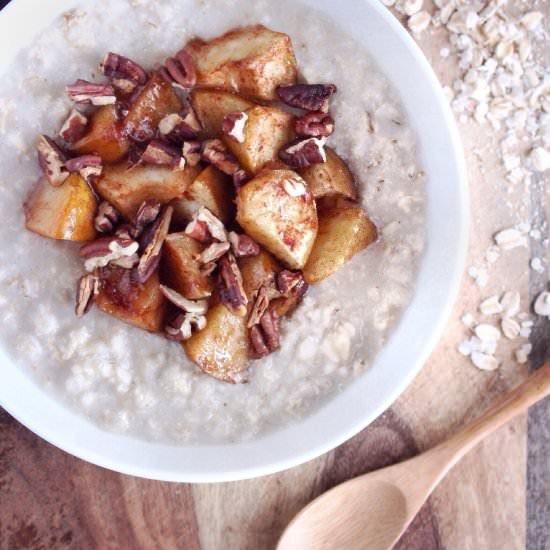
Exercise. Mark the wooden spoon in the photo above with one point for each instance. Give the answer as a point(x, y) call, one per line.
point(372, 511)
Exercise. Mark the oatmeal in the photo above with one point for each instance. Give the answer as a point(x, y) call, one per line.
point(140, 383)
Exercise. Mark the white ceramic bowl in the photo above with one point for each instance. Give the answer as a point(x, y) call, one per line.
point(348, 412)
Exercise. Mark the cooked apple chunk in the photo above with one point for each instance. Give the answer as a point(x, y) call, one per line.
point(278, 211)
point(211, 106)
point(266, 130)
point(103, 136)
point(156, 99)
point(344, 230)
point(251, 61)
point(127, 188)
point(181, 268)
point(221, 348)
point(212, 189)
point(258, 271)
point(66, 212)
point(122, 295)
point(331, 177)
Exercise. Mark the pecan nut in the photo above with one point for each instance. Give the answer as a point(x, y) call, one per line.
point(178, 128)
point(259, 308)
point(102, 251)
point(74, 127)
point(86, 290)
point(216, 153)
point(86, 165)
point(181, 326)
point(180, 70)
point(240, 177)
point(265, 336)
point(232, 293)
point(304, 153)
point(214, 252)
point(106, 218)
point(314, 124)
point(198, 230)
point(162, 154)
point(198, 307)
point(118, 67)
point(233, 125)
point(311, 97)
point(243, 245)
point(291, 283)
point(52, 161)
point(85, 92)
point(151, 256)
point(215, 227)
point(191, 151)
point(147, 213)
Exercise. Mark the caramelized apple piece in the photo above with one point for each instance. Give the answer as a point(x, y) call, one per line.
point(211, 188)
point(127, 188)
point(220, 349)
point(344, 230)
point(140, 304)
point(266, 131)
point(278, 211)
point(156, 99)
point(181, 268)
point(103, 136)
point(211, 106)
point(252, 61)
point(66, 212)
point(329, 178)
point(258, 271)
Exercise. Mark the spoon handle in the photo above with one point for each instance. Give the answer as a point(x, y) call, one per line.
point(517, 401)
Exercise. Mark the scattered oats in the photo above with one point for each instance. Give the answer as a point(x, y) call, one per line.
point(490, 306)
point(467, 319)
point(540, 159)
point(522, 353)
point(465, 347)
point(444, 52)
point(526, 329)
point(388, 3)
point(531, 20)
point(487, 333)
point(510, 238)
point(419, 22)
point(535, 234)
point(484, 361)
point(510, 328)
point(542, 304)
point(510, 303)
point(536, 265)
point(492, 254)
point(410, 7)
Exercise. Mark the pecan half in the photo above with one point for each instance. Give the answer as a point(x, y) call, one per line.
point(233, 125)
point(214, 225)
point(265, 336)
point(243, 245)
point(314, 124)
point(147, 213)
point(106, 218)
point(52, 161)
point(216, 153)
point(102, 251)
point(151, 255)
point(303, 153)
point(191, 151)
point(126, 262)
point(86, 290)
point(84, 92)
point(162, 154)
point(232, 293)
point(177, 127)
point(200, 307)
point(181, 326)
point(74, 127)
point(120, 68)
point(180, 70)
point(257, 343)
point(311, 97)
point(85, 165)
point(214, 252)
point(198, 230)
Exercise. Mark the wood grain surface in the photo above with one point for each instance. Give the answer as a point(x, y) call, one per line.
point(493, 499)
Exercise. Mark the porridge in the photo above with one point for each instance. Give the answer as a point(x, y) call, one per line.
point(137, 382)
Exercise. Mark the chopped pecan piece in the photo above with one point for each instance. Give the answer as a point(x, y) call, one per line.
point(102, 251)
point(125, 231)
point(106, 218)
point(214, 226)
point(243, 245)
point(86, 291)
point(260, 307)
point(147, 213)
point(162, 154)
point(84, 92)
point(303, 153)
point(125, 73)
point(216, 153)
point(232, 293)
point(74, 127)
point(126, 262)
point(257, 343)
point(180, 70)
point(181, 326)
point(314, 124)
point(233, 125)
point(178, 128)
point(214, 252)
point(198, 230)
point(265, 336)
point(311, 97)
point(291, 283)
point(85, 165)
point(191, 151)
point(240, 177)
point(52, 161)
point(199, 307)
point(151, 255)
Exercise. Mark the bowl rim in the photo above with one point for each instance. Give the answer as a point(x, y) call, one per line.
point(36, 410)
